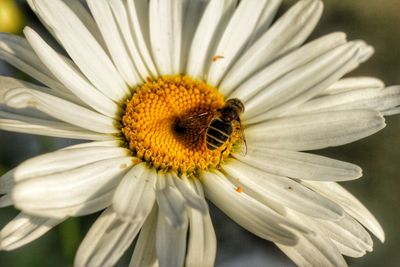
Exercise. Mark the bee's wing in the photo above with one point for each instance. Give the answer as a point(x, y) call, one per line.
point(242, 144)
point(196, 121)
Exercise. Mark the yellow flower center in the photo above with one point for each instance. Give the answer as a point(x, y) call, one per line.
point(151, 124)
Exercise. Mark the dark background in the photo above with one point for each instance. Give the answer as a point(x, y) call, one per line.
point(378, 23)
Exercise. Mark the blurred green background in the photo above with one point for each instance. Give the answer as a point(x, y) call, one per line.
point(378, 23)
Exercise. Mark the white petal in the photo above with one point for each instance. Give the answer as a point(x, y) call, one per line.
point(145, 249)
point(350, 204)
point(7, 182)
point(315, 131)
point(247, 212)
point(313, 250)
point(10, 83)
point(373, 98)
point(213, 21)
point(193, 11)
point(287, 33)
point(349, 236)
point(116, 142)
point(265, 20)
point(166, 34)
point(299, 165)
point(135, 195)
point(392, 111)
point(138, 13)
point(23, 229)
point(82, 47)
point(362, 53)
point(70, 76)
point(191, 197)
point(5, 200)
point(71, 193)
point(105, 19)
point(121, 15)
point(16, 51)
point(171, 202)
point(284, 65)
point(236, 36)
point(61, 109)
point(30, 125)
point(353, 83)
point(308, 81)
point(202, 246)
point(66, 159)
point(170, 242)
point(106, 241)
point(264, 186)
point(82, 12)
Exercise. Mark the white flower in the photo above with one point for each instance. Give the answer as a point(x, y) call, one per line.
point(135, 69)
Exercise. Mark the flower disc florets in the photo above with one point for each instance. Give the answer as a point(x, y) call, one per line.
point(151, 128)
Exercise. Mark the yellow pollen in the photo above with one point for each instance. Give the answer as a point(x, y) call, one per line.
point(151, 118)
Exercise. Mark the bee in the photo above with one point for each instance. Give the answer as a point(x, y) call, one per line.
point(218, 125)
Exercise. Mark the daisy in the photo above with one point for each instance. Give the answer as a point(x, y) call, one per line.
point(127, 76)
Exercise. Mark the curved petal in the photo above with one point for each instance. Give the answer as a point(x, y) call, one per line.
point(107, 24)
point(208, 32)
point(273, 72)
point(315, 131)
point(106, 241)
point(202, 246)
point(166, 18)
point(5, 201)
point(287, 33)
point(299, 165)
point(192, 198)
point(193, 11)
point(7, 182)
point(248, 212)
point(135, 195)
point(73, 192)
point(65, 160)
point(265, 20)
point(170, 255)
point(24, 229)
point(264, 186)
point(20, 98)
point(17, 52)
point(378, 99)
point(313, 250)
point(171, 202)
point(348, 235)
point(236, 36)
point(82, 47)
point(353, 83)
point(10, 83)
point(121, 14)
point(70, 76)
point(308, 81)
point(138, 13)
point(29, 125)
point(145, 249)
point(350, 204)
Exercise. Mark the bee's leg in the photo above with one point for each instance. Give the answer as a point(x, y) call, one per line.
point(220, 157)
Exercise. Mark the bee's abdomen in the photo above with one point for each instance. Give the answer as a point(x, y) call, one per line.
point(218, 133)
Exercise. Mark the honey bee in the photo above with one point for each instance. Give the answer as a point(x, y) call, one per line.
point(218, 125)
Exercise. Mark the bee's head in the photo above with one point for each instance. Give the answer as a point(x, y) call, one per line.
point(232, 109)
point(236, 104)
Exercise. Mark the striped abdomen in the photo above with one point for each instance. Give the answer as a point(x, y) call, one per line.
point(218, 132)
